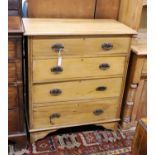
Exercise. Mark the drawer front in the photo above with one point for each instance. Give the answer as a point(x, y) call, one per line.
point(75, 113)
point(14, 71)
point(76, 90)
point(15, 95)
point(12, 97)
point(76, 68)
point(144, 71)
point(14, 48)
point(42, 47)
point(13, 120)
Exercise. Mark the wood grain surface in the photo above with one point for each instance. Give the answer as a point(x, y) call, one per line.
point(79, 46)
point(61, 8)
point(60, 27)
point(107, 9)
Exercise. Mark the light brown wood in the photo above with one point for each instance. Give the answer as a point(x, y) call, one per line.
point(70, 90)
point(140, 104)
point(139, 44)
point(136, 67)
point(60, 27)
point(137, 76)
point(34, 136)
point(143, 20)
point(81, 46)
point(77, 92)
point(74, 113)
point(61, 8)
point(72, 66)
point(99, 123)
point(111, 126)
point(144, 70)
point(130, 12)
point(107, 9)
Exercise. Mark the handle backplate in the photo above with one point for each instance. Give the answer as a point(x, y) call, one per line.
point(107, 46)
point(98, 112)
point(104, 66)
point(57, 69)
point(57, 47)
point(55, 92)
point(101, 88)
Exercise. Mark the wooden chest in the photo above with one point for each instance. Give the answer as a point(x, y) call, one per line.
point(135, 99)
point(77, 70)
point(16, 125)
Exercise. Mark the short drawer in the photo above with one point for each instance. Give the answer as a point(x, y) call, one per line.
point(15, 95)
point(14, 48)
point(47, 47)
point(76, 90)
point(76, 68)
point(75, 113)
point(13, 120)
point(15, 71)
point(12, 97)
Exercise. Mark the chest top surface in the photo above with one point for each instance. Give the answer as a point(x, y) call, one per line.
point(62, 27)
point(15, 24)
point(139, 44)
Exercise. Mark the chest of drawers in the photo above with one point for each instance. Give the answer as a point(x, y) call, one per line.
point(135, 100)
point(16, 125)
point(76, 70)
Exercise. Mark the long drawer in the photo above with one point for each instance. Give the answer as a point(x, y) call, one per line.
point(76, 112)
point(76, 68)
point(15, 71)
point(47, 47)
point(76, 90)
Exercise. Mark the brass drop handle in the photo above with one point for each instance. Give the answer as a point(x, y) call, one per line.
point(54, 116)
point(101, 88)
point(104, 66)
point(107, 46)
point(55, 92)
point(98, 112)
point(57, 69)
point(58, 47)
